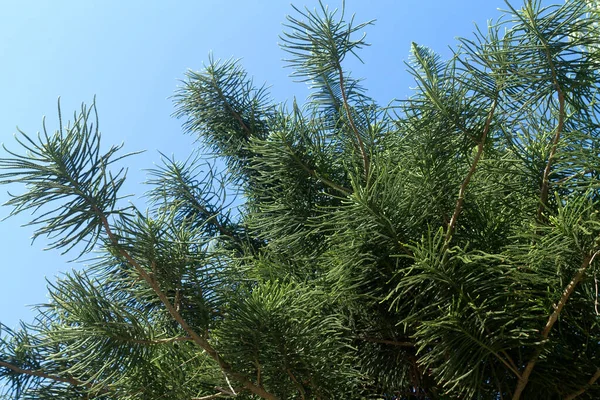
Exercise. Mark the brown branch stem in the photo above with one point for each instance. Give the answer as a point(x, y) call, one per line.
point(199, 340)
point(592, 380)
point(546, 176)
point(387, 341)
point(463, 187)
point(229, 108)
point(258, 372)
point(558, 307)
point(161, 341)
point(559, 128)
point(316, 175)
point(361, 145)
point(511, 364)
point(298, 385)
point(210, 396)
point(522, 383)
point(222, 393)
point(212, 217)
point(44, 375)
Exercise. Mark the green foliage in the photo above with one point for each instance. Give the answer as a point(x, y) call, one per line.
point(443, 247)
point(68, 170)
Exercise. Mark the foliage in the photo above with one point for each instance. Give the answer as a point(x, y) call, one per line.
point(440, 248)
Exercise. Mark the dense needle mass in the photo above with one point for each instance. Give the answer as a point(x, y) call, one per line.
point(443, 247)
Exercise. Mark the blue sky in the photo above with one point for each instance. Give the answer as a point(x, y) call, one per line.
point(131, 54)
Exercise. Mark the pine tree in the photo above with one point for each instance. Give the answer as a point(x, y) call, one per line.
point(443, 247)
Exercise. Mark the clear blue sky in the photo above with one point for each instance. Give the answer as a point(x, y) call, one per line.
point(131, 54)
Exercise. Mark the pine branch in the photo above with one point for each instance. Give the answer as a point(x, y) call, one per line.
point(530, 24)
point(372, 260)
point(199, 340)
point(71, 161)
point(318, 46)
point(44, 375)
point(522, 383)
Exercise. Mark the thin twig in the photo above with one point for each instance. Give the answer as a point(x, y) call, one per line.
point(465, 183)
point(228, 106)
point(568, 178)
point(298, 385)
point(559, 128)
point(386, 341)
point(44, 375)
point(596, 298)
point(161, 341)
point(229, 384)
point(210, 396)
point(511, 363)
point(222, 393)
point(211, 217)
point(258, 372)
point(315, 174)
point(522, 383)
point(592, 380)
point(361, 145)
point(546, 177)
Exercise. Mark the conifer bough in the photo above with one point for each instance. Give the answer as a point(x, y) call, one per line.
point(442, 247)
